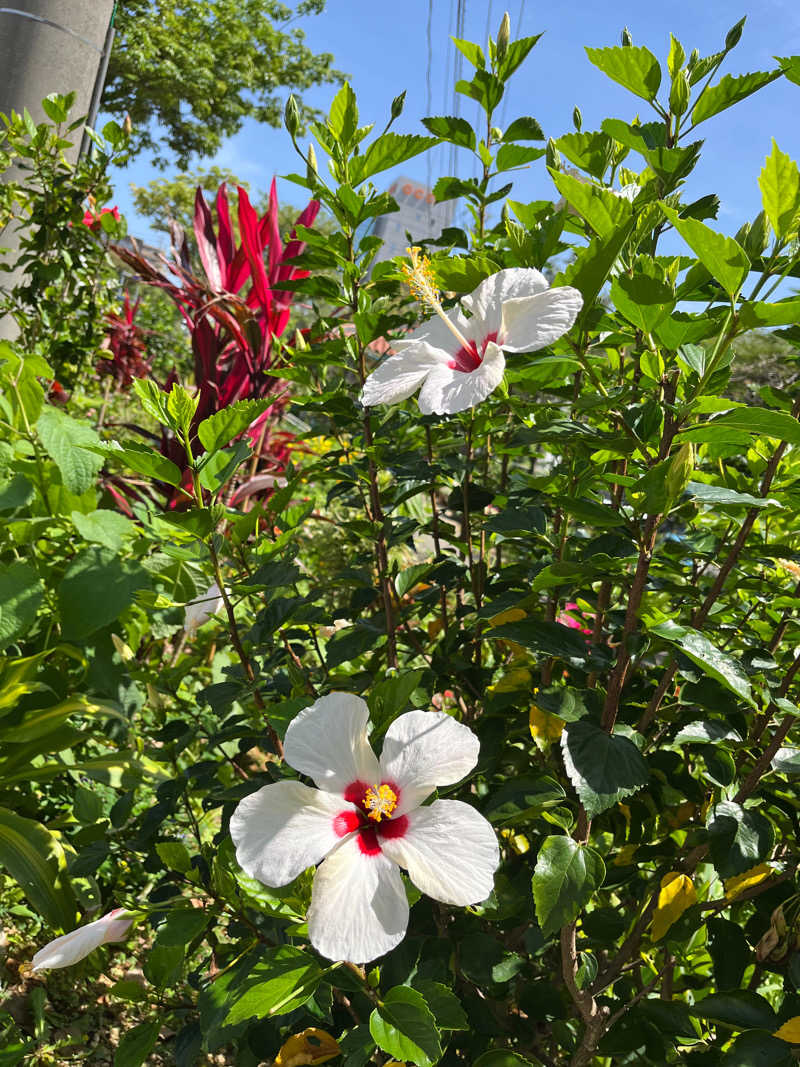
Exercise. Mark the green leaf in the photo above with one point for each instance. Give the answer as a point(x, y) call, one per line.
point(282, 980)
point(761, 314)
point(343, 116)
point(546, 638)
point(137, 1044)
point(566, 877)
point(473, 52)
point(643, 299)
point(739, 838)
point(716, 664)
point(445, 1005)
point(719, 495)
point(153, 400)
point(739, 1009)
point(21, 594)
point(16, 493)
point(182, 926)
point(729, 91)
point(524, 128)
point(634, 67)
point(722, 257)
point(516, 155)
point(778, 424)
point(62, 438)
point(501, 1057)
point(779, 183)
point(96, 589)
point(404, 1027)
point(451, 128)
point(181, 407)
point(602, 767)
point(221, 427)
point(729, 951)
point(462, 274)
point(53, 107)
point(606, 213)
point(758, 1048)
point(589, 151)
point(35, 860)
point(790, 67)
point(706, 731)
point(103, 527)
point(163, 965)
point(388, 151)
point(515, 55)
point(590, 268)
point(146, 461)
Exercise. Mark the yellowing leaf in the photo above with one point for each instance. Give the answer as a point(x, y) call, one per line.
point(311, 1046)
point(509, 615)
point(737, 885)
point(790, 1031)
point(625, 856)
point(676, 895)
point(512, 681)
point(544, 726)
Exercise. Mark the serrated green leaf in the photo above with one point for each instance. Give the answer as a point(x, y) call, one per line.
point(451, 128)
point(137, 1044)
point(343, 116)
point(634, 67)
point(404, 1027)
point(221, 427)
point(445, 1005)
point(21, 593)
point(146, 461)
point(62, 437)
point(388, 151)
point(602, 767)
point(606, 213)
point(103, 527)
point(739, 838)
point(566, 877)
point(779, 183)
point(589, 151)
point(716, 664)
point(524, 128)
point(722, 257)
point(181, 407)
point(729, 91)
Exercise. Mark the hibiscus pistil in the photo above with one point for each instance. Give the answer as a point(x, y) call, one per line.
point(420, 280)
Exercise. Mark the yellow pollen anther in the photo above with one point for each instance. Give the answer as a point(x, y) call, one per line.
point(420, 280)
point(381, 801)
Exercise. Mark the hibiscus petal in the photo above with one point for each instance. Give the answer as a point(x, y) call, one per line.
point(283, 828)
point(447, 391)
point(423, 749)
point(486, 302)
point(74, 946)
point(359, 908)
point(399, 376)
point(530, 323)
point(450, 852)
point(328, 742)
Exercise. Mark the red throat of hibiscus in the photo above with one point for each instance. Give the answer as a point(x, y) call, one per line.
point(469, 358)
point(373, 820)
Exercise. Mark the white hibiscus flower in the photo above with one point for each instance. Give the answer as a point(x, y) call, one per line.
point(459, 361)
point(202, 608)
point(74, 946)
point(365, 822)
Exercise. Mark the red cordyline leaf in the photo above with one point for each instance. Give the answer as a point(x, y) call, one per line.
point(232, 331)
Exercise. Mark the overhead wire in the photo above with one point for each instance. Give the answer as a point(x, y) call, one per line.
point(429, 104)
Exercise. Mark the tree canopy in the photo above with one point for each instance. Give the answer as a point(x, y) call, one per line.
point(189, 72)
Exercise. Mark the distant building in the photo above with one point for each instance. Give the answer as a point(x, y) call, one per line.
point(419, 215)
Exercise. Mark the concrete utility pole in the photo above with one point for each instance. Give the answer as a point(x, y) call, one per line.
point(51, 46)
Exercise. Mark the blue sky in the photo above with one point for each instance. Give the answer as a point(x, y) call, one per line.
point(384, 48)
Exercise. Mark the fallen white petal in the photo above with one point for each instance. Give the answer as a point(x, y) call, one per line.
point(283, 828)
point(202, 608)
point(447, 391)
point(359, 908)
point(76, 945)
point(424, 749)
point(328, 742)
point(533, 322)
point(450, 852)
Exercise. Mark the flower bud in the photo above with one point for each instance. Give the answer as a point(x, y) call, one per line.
point(312, 174)
point(127, 125)
point(552, 158)
point(291, 115)
point(503, 37)
point(627, 40)
point(679, 93)
point(397, 105)
point(577, 118)
point(202, 608)
point(734, 35)
point(76, 945)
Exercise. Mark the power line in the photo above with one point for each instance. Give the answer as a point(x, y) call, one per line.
point(429, 96)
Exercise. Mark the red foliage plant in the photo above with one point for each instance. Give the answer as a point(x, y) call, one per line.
point(126, 344)
point(234, 313)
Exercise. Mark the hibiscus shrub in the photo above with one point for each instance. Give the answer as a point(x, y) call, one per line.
point(477, 743)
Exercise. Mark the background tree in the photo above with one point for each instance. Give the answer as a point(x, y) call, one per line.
point(189, 73)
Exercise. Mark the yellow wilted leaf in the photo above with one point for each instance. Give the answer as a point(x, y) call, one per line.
point(736, 885)
point(544, 726)
point(311, 1046)
point(677, 894)
point(790, 1031)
